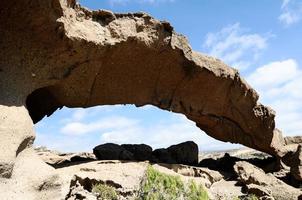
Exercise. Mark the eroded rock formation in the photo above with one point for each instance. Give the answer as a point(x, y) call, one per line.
point(265, 186)
point(55, 53)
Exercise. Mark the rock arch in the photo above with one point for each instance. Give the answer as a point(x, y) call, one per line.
point(56, 53)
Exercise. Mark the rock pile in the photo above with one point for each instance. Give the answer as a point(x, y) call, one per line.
point(265, 186)
point(183, 153)
point(229, 177)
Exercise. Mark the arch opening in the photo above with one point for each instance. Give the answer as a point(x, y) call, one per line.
point(81, 129)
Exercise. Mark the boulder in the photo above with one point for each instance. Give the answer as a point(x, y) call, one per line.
point(293, 159)
point(57, 159)
point(260, 191)
point(184, 153)
point(293, 140)
point(208, 176)
point(162, 156)
point(77, 191)
point(140, 152)
point(296, 165)
point(82, 157)
point(224, 163)
point(263, 184)
point(110, 151)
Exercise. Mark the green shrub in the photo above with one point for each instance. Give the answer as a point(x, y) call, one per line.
point(160, 186)
point(196, 192)
point(104, 192)
point(252, 197)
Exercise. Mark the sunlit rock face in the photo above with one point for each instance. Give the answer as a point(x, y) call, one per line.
point(55, 53)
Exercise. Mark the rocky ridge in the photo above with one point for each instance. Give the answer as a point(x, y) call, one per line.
point(231, 177)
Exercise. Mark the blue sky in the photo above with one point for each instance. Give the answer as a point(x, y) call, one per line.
point(262, 39)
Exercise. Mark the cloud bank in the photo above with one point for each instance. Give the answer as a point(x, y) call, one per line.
point(279, 84)
point(234, 45)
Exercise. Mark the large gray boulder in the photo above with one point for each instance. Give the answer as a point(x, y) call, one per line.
point(183, 153)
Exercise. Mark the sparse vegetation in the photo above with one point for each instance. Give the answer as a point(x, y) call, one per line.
point(251, 197)
point(196, 192)
point(248, 197)
point(104, 192)
point(160, 186)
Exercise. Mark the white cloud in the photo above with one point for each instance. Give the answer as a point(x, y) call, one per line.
point(79, 114)
point(233, 45)
point(279, 84)
point(291, 12)
point(80, 128)
point(274, 74)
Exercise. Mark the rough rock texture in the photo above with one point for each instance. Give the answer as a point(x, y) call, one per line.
point(296, 165)
point(209, 176)
point(293, 159)
point(293, 140)
point(56, 158)
point(162, 155)
point(258, 182)
point(226, 163)
point(110, 151)
point(125, 177)
point(185, 153)
point(140, 152)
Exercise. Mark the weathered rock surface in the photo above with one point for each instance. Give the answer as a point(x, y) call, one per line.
point(296, 165)
point(293, 140)
point(74, 180)
point(209, 176)
point(77, 191)
point(185, 153)
point(57, 158)
point(125, 177)
point(264, 185)
point(226, 162)
point(293, 159)
point(110, 151)
point(140, 152)
point(162, 155)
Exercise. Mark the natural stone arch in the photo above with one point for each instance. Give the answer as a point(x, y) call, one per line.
point(59, 54)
